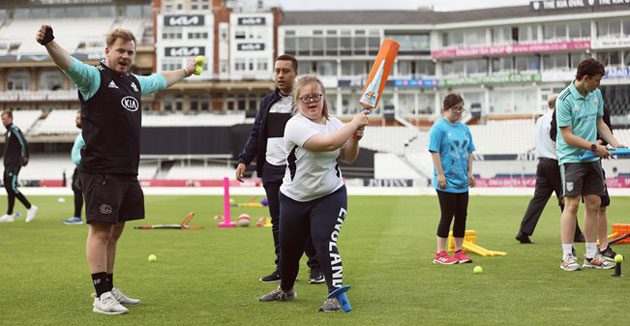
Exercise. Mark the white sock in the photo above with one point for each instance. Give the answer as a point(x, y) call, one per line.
point(567, 250)
point(591, 250)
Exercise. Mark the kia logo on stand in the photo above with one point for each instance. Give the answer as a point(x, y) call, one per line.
point(250, 47)
point(130, 103)
point(185, 51)
point(184, 20)
point(251, 21)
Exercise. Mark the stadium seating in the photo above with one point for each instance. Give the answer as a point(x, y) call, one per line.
point(204, 119)
point(395, 140)
point(24, 119)
point(47, 166)
point(57, 122)
point(198, 171)
point(623, 136)
point(495, 137)
point(147, 170)
point(504, 137)
point(89, 38)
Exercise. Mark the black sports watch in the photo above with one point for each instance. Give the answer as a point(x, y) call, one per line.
point(593, 148)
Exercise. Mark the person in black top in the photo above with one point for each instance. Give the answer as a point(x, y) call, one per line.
point(602, 233)
point(110, 118)
point(266, 144)
point(76, 180)
point(15, 157)
point(548, 178)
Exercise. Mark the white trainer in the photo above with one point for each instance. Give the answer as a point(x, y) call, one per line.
point(123, 299)
point(108, 305)
point(570, 264)
point(30, 214)
point(6, 218)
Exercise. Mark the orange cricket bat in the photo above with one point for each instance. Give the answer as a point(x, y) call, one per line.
point(378, 74)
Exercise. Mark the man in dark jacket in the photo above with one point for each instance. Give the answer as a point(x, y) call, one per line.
point(15, 157)
point(265, 142)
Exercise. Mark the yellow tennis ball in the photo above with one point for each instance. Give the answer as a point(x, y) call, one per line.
point(152, 258)
point(477, 270)
point(618, 258)
point(200, 60)
point(198, 70)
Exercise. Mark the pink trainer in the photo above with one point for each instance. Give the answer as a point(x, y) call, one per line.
point(443, 258)
point(461, 257)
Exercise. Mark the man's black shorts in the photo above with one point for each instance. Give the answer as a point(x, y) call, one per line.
point(580, 179)
point(112, 198)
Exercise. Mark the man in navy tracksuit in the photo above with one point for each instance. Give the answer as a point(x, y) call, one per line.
point(15, 156)
point(266, 143)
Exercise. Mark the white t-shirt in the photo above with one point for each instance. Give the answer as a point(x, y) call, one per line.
point(276, 154)
point(310, 175)
point(545, 147)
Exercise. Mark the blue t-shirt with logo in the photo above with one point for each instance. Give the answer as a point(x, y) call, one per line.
point(454, 143)
point(580, 113)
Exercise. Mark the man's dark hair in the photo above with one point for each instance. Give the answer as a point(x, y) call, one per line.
point(288, 57)
point(589, 67)
point(8, 112)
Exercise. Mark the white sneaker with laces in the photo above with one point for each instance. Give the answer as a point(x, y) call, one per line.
point(597, 262)
point(30, 214)
point(6, 218)
point(108, 305)
point(123, 299)
point(570, 264)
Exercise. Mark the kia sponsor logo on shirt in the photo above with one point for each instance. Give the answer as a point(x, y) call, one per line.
point(130, 103)
point(184, 51)
point(184, 20)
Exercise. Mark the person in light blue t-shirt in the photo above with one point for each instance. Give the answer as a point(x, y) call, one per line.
point(451, 146)
point(75, 155)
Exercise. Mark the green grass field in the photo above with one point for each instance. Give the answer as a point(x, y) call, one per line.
point(211, 276)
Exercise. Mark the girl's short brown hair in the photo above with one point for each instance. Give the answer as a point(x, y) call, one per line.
point(451, 100)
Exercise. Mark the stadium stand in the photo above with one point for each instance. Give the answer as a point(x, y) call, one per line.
point(147, 170)
point(89, 38)
point(623, 136)
point(198, 171)
point(395, 140)
point(205, 119)
point(24, 120)
point(57, 122)
point(47, 166)
point(504, 137)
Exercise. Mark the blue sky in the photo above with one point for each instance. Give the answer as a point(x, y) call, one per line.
point(442, 5)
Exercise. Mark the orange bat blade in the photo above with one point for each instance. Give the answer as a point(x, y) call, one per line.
point(187, 219)
point(378, 74)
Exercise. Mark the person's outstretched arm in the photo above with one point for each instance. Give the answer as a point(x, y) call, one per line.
point(85, 77)
point(173, 76)
point(59, 55)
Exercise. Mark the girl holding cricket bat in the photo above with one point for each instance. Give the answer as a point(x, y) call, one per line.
point(451, 146)
point(313, 199)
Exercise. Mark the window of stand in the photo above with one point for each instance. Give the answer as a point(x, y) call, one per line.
point(613, 28)
point(18, 80)
point(610, 58)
